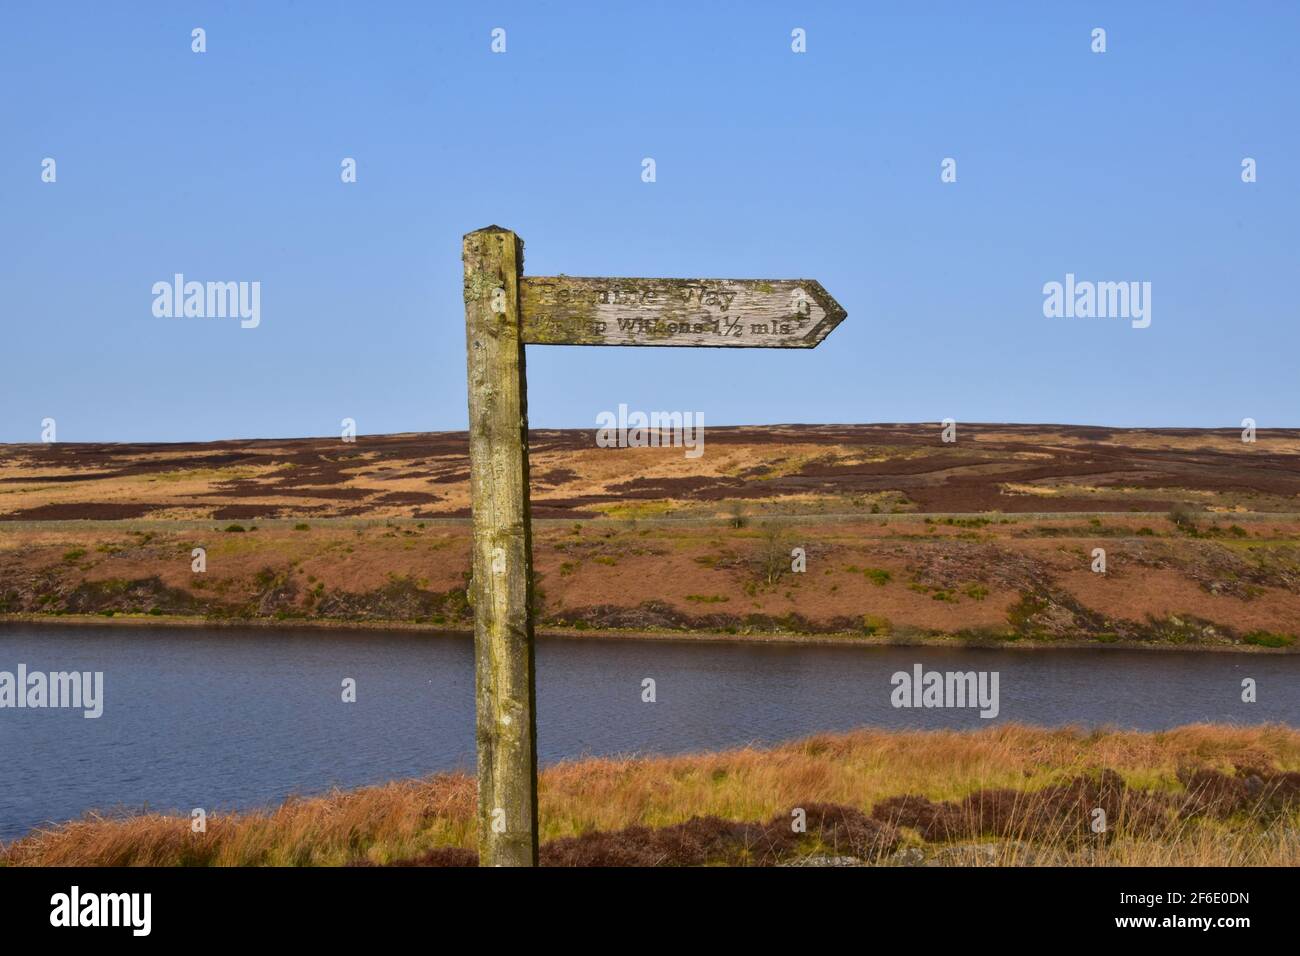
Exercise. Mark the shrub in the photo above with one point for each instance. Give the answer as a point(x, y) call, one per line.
point(1183, 518)
point(1269, 639)
point(879, 626)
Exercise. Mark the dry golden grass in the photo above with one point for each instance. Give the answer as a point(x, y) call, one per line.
point(404, 819)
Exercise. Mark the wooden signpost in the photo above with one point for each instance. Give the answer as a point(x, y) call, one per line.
point(504, 311)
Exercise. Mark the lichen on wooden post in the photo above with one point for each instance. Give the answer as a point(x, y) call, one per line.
point(501, 589)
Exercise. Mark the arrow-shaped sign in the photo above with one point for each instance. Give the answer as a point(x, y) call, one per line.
point(744, 313)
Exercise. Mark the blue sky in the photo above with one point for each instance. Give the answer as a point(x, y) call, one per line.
point(1122, 166)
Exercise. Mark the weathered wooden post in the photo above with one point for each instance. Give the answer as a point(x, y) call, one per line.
point(502, 585)
point(504, 311)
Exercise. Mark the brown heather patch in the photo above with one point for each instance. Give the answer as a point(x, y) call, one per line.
point(1163, 593)
point(836, 830)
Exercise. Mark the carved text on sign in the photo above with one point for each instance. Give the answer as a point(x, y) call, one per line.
point(779, 313)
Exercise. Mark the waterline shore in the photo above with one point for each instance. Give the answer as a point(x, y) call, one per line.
point(846, 639)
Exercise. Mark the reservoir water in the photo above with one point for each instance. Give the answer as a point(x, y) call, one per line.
point(231, 719)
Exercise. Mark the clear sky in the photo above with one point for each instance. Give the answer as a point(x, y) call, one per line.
point(225, 165)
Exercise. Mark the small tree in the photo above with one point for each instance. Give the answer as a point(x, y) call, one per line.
point(775, 545)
